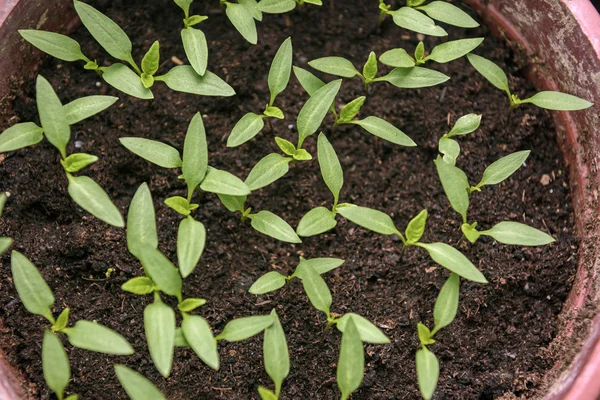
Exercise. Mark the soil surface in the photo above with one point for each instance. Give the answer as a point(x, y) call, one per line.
point(499, 342)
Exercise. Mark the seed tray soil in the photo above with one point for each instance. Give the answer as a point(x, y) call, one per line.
point(499, 344)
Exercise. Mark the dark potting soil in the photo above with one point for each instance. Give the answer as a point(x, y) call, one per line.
point(499, 342)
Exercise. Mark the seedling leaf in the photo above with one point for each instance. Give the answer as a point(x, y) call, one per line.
point(351, 364)
point(269, 282)
point(92, 198)
point(55, 363)
point(518, 234)
point(428, 371)
point(281, 68)
point(95, 337)
point(191, 238)
point(31, 286)
point(453, 260)
point(245, 129)
point(20, 135)
point(136, 385)
point(159, 328)
point(449, 13)
point(243, 328)
point(316, 221)
point(385, 130)
point(370, 219)
point(368, 332)
point(271, 225)
point(558, 101)
point(196, 48)
point(268, 170)
point(156, 152)
point(199, 336)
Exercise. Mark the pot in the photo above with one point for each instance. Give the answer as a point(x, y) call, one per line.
point(564, 35)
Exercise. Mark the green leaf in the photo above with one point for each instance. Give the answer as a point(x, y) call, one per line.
point(420, 51)
point(316, 221)
point(331, 169)
point(501, 169)
point(55, 363)
point(73, 396)
point(147, 80)
point(136, 386)
point(453, 260)
point(141, 222)
point(337, 66)
point(5, 243)
point(281, 68)
point(252, 8)
point(413, 20)
point(78, 161)
point(52, 115)
point(490, 71)
point(151, 59)
point(370, 219)
point(518, 234)
point(276, 6)
point(470, 232)
point(268, 170)
point(140, 285)
point(223, 182)
point(62, 321)
point(368, 332)
point(315, 2)
point(106, 32)
point(302, 155)
point(320, 265)
point(191, 304)
point(245, 129)
point(370, 67)
point(275, 352)
point(196, 48)
point(243, 21)
point(164, 274)
point(383, 129)
point(351, 109)
point(465, 124)
point(416, 227)
point(415, 77)
point(194, 20)
point(57, 45)
point(266, 394)
point(449, 13)
point(92, 198)
point(314, 110)
point(428, 371)
point(184, 5)
point(199, 336)
point(191, 238)
point(95, 337)
point(351, 365)
point(450, 149)
point(456, 186)
point(85, 107)
point(425, 335)
point(275, 112)
point(269, 282)
point(180, 339)
point(446, 305)
point(315, 287)
point(31, 286)
point(3, 199)
point(159, 328)
point(397, 58)
point(19, 136)
point(233, 203)
point(156, 152)
point(195, 154)
point(243, 328)
point(184, 78)
point(309, 82)
point(558, 101)
point(286, 146)
point(124, 79)
point(271, 225)
point(450, 51)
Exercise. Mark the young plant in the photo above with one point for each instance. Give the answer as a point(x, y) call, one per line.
point(5, 242)
point(242, 14)
point(38, 299)
point(114, 40)
point(194, 40)
point(405, 78)
point(444, 312)
point(283, 6)
point(136, 385)
point(442, 53)
point(279, 76)
point(463, 126)
point(549, 100)
point(410, 17)
point(56, 121)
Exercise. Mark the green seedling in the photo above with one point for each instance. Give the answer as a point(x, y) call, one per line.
point(279, 75)
point(549, 100)
point(136, 385)
point(411, 16)
point(442, 53)
point(406, 78)
point(114, 40)
point(56, 121)
point(38, 299)
point(243, 14)
point(193, 39)
point(283, 6)
point(5, 242)
point(448, 146)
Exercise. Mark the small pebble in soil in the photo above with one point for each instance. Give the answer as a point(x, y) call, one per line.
point(545, 180)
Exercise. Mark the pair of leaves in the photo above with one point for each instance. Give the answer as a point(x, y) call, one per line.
point(442, 53)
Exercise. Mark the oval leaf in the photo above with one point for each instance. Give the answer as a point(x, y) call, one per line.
point(122, 78)
point(518, 234)
point(465, 124)
point(19, 136)
point(184, 79)
point(275, 352)
point(243, 328)
point(397, 58)
point(141, 222)
point(269, 282)
point(268, 170)
point(558, 101)
point(385, 130)
point(367, 330)
point(281, 68)
point(271, 225)
point(449, 13)
point(338, 66)
point(411, 19)
point(191, 238)
point(370, 219)
point(92, 198)
point(57, 45)
point(199, 336)
point(316, 221)
point(137, 386)
point(456, 186)
point(55, 363)
point(446, 305)
point(314, 110)
point(416, 77)
point(243, 21)
point(156, 152)
point(140, 285)
point(453, 260)
point(490, 71)
point(223, 182)
point(416, 227)
point(351, 365)
point(245, 129)
point(196, 48)
point(309, 82)
point(320, 265)
point(331, 169)
point(195, 154)
point(449, 51)
point(428, 371)
point(85, 107)
point(95, 337)
point(501, 169)
point(31, 286)
point(315, 287)
point(164, 274)
point(159, 327)
point(276, 6)
point(52, 115)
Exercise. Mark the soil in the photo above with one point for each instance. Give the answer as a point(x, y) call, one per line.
point(500, 341)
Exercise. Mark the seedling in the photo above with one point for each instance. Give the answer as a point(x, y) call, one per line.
point(38, 299)
point(56, 121)
point(114, 40)
point(406, 78)
point(279, 76)
point(549, 100)
point(410, 18)
point(463, 126)
point(193, 39)
point(442, 53)
point(243, 15)
point(136, 385)
point(283, 6)
point(5, 242)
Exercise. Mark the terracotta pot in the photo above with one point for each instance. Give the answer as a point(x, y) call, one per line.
point(564, 35)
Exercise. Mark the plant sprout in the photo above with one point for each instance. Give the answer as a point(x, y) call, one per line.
point(279, 75)
point(56, 121)
point(463, 126)
point(38, 299)
point(442, 53)
point(114, 40)
point(283, 6)
point(5, 242)
point(194, 40)
point(549, 100)
point(242, 15)
point(410, 17)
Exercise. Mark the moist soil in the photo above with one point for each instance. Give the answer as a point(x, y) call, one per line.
point(499, 342)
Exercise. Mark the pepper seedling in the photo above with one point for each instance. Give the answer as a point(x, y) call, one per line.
point(56, 121)
point(193, 39)
point(283, 6)
point(279, 75)
point(463, 126)
point(550, 100)
point(5, 242)
point(411, 16)
point(38, 299)
point(405, 78)
point(114, 40)
point(442, 53)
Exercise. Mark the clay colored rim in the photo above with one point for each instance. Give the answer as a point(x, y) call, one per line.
point(565, 33)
